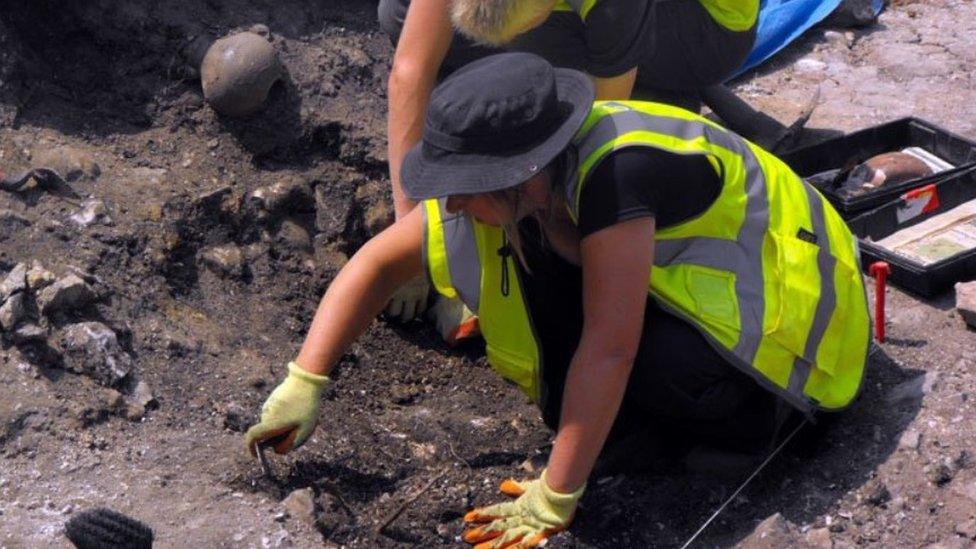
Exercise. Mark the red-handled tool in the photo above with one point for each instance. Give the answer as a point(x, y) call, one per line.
point(880, 271)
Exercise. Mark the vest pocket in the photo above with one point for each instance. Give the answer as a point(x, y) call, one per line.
point(714, 302)
point(795, 286)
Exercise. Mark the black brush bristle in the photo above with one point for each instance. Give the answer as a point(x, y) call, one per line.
point(106, 529)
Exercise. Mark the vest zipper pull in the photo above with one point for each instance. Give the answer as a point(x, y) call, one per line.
point(505, 251)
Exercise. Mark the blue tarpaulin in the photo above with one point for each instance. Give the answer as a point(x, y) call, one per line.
point(782, 21)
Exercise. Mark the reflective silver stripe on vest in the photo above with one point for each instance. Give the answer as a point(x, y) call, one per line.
point(463, 262)
point(742, 256)
point(828, 295)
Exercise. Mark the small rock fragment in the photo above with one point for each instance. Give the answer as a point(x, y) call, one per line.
point(92, 349)
point(225, 261)
point(29, 333)
point(38, 277)
point(853, 13)
point(772, 532)
point(13, 311)
point(292, 235)
point(966, 301)
point(92, 211)
point(300, 504)
point(236, 418)
point(819, 538)
point(67, 294)
point(534, 463)
point(291, 193)
point(940, 473)
point(138, 392)
point(14, 282)
point(877, 494)
point(70, 163)
point(910, 440)
point(378, 217)
point(967, 528)
point(809, 65)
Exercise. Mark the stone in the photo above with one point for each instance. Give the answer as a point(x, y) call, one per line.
point(11, 221)
point(853, 13)
point(819, 538)
point(914, 389)
point(966, 301)
point(910, 440)
point(967, 490)
point(331, 214)
point(294, 236)
point(67, 294)
point(92, 211)
point(770, 533)
point(92, 349)
point(14, 282)
point(291, 193)
point(300, 504)
point(139, 392)
point(808, 65)
point(70, 163)
point(134, 412)
point(940, 473)
point(224, 261)
point(967, 528)
point(236, 417)
point(379, 216)
point(876, 493)
point(13, 310)
point(29, 333)
point(38, 277)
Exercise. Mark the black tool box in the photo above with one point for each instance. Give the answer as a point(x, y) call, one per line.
point(910, 209)
point(818, 163)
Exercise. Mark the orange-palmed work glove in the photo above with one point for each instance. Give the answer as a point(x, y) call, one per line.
point(537, 513)
point(454, 320)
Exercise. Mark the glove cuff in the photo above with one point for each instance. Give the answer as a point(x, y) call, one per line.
point(317, 381)
point(559, 499)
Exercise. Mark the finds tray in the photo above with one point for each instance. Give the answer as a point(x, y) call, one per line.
point(927, 236)
point(829, 164)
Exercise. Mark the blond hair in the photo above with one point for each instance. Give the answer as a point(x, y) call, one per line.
point(488, 21)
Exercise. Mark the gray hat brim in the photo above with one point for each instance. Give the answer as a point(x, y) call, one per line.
point(428, 172)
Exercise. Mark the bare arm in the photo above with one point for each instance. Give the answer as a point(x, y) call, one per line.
point(615, 275)
point(423, 44)
point(361, 290)
point(615, 87)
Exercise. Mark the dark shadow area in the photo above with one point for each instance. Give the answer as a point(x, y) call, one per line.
point(823, 463)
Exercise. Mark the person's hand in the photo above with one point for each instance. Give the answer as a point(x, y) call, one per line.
point(410, 300)
point(454, 321)
point(289, 415)
point(537, 513)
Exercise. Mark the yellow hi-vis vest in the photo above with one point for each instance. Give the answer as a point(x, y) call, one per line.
point(769, 273)
point(735, 15)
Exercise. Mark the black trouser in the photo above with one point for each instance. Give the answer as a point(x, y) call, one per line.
point(681, 387)
point(689, 50)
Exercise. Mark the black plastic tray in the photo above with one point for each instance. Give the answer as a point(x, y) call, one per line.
point(910, 209)
point(856, 147)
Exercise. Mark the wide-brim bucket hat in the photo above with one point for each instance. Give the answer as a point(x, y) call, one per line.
point(494, 124)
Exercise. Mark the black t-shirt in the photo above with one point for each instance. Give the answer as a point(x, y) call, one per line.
point(614, 38)
point(627, 184)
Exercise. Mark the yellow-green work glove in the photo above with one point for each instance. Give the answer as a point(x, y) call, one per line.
point(289, 415)
point(539, 512)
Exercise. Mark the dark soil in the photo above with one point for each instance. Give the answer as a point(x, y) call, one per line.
point(116, 83)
